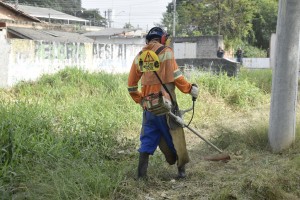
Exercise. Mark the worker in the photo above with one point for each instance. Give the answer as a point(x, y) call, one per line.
point(220, 53)
point(160, 130)
point(239, 55)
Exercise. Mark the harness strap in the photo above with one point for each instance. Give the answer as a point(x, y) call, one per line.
point(157, 51)
point(165, 87)
point(160, 49)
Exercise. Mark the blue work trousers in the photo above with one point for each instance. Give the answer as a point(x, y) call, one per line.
point(153, 128)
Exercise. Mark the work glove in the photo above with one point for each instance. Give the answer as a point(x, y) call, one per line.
point(194, 91)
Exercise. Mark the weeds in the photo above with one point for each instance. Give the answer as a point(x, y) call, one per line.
point(236, 92)
point(74, 135)
point(60, 119)
point(260, 78)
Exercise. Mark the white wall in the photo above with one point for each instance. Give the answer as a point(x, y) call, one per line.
point(28, 59)
point(197, 47)
point(256, 63)
point(114, 58)
point(4, 52)
point(185, 50)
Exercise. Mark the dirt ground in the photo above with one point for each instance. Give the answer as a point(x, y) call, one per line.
point(205, 179)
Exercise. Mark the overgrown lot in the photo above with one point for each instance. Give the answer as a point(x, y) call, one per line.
point(74, 135)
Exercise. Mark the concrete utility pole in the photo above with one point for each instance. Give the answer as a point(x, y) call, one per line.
point(285, 76)
point(17, 4)
point(219, 18)
point(174, 17)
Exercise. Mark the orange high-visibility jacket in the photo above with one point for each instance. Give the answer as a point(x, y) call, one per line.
point(168, 73)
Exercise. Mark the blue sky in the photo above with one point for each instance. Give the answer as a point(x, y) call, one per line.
point(142, 13)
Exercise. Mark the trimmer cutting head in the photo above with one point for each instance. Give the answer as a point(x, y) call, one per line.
point(218, 157)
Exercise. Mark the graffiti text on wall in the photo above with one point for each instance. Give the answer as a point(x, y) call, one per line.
point(60, 51)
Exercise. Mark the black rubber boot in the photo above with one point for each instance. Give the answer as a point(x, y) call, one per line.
point(181, 172)
point(143, 165)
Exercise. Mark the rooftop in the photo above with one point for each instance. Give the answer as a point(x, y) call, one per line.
point(116, 32)
point(40, 12)
point(19, 12)
point(48, 35)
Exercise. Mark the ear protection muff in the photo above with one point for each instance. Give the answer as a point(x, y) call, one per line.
point(163, 39)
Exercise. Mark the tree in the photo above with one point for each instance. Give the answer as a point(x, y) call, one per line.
point(167, 22)
point(264, 23)
point(128, 26)
point(93, 15)
point(186, 16)
point(250, 21)
point(230, 18)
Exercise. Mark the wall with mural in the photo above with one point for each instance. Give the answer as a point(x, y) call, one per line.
point(28, 59)
point(4, 52)
point(114, 58)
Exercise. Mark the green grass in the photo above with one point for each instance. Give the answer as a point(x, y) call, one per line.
point(60, 124)
point(235, 91)
point(261, 174)
point(74, 135)
point(261, 78)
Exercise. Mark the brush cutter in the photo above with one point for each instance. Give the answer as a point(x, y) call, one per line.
point(159, 105)
point(219, 157)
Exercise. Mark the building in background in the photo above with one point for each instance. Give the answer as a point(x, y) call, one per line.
point(118, 36)
point(52, 16)
point(31, 47)
point(10, 13)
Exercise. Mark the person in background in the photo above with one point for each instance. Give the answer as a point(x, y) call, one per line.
point(160, 131)
point(220, 53)
point(239, 55)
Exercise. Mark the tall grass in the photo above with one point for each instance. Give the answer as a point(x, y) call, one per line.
point(261, 78)
point(234, 90)
point(74, 135)
point(66, 125)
